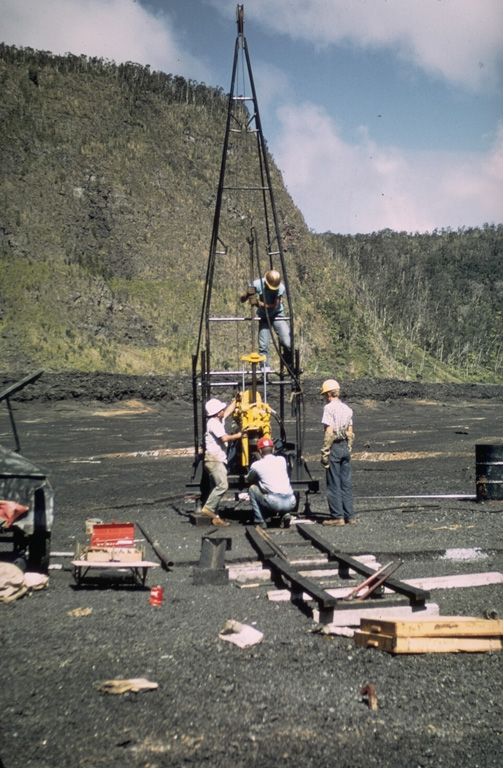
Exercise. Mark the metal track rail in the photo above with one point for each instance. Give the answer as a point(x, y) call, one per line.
point(283, 571)
point(415, 595)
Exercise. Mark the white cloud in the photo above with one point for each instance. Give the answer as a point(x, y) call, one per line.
point(118, 30)
point(270, 84)
point(365, 188)
point(458, 40)
point(359, 187)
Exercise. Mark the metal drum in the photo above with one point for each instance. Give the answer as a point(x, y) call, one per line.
point(489, 472)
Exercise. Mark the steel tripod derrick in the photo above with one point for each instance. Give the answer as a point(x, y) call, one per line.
point(246, 243)
point(246, 185)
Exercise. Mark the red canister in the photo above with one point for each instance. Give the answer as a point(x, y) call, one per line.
point(156, 595)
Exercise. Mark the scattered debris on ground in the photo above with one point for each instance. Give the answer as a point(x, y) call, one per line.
point(241, 635)
point(134, 684)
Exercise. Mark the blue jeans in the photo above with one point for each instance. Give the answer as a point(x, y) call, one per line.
point(217, 471)
point(339, 490)
point(269, 502)
point(282, 329)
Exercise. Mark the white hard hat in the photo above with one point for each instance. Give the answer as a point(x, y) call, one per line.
point(214, 406)
point(330, 385)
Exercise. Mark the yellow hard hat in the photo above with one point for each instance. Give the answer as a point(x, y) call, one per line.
point(272, 279)
point(330, 385)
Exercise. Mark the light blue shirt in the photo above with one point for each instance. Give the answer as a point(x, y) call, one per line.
point(269, 297)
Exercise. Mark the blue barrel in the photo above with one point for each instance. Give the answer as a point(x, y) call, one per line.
point(489, 472)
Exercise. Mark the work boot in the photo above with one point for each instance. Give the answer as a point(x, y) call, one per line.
point(350, 521)
point(216, 520)
point(208, 513)
point(333, 521)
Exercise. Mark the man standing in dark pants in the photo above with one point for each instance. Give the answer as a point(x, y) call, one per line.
point(335, 455)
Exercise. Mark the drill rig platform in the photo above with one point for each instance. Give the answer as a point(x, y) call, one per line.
point(246, 244)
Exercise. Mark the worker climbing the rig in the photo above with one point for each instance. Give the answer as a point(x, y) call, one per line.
point(270, 489)
point(266, 293)
point(215, 456)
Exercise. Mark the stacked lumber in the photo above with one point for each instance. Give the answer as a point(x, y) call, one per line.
point(439, 634)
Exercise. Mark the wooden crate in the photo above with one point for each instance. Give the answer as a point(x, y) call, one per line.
point(440, 634)
point(109, 554)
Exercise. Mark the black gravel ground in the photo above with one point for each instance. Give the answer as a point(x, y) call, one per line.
point(294, 699)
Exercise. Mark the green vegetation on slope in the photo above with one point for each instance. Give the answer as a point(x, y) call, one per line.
point(436, 297)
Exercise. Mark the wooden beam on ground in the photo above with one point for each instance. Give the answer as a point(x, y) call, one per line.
point(354, 617)
point(301, 584)
point(319, 567)
point(277, 549)
point(166, 564)
point(461, 580)
point(435, 582)
point(396, 645)
point(416, 595)
point(441, 626)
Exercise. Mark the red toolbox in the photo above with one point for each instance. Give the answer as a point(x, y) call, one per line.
point(113, 535)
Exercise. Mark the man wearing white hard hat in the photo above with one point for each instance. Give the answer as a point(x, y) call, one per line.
point(335, 455)
point(215, 455)
point(270, 489)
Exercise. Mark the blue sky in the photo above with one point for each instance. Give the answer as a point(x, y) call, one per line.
point(379, 113)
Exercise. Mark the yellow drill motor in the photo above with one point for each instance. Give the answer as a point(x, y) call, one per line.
point(254, 418)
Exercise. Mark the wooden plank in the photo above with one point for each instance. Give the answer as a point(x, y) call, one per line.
point(440, 582)
point(367, 559)
point(280, 552)
point(441, 626)
point(353, 617)
point(463, 580)
point(282, 595)
point(117, 564)
point(251, 572)
point(302, 585)
point(63, 554)
point(435, 582)
point(396, 645)
point(418, 596)
point(255, 570)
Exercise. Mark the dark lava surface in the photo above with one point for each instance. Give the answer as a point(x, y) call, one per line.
point(121, 453)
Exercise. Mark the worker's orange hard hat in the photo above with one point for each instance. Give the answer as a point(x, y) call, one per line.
point(265, 442)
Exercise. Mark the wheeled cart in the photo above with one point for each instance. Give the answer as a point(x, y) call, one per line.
point(112, 547)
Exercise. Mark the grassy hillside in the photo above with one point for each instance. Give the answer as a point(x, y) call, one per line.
point(107, 191)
